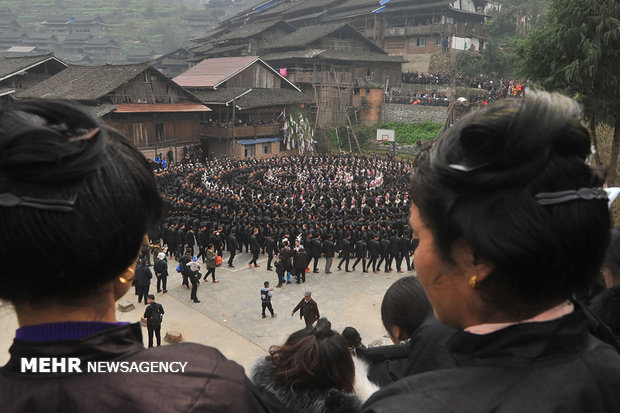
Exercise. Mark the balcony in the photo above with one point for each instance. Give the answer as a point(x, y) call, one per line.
point(458, 29)
point(326, 78)
point(240, 131)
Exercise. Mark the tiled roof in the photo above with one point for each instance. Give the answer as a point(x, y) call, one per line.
point(211, 72)
point(254, 98)
point(252, 29)
point(86, 83)
point(12, 65)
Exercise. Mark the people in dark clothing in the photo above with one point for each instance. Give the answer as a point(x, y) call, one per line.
point(254, 248)
point(279, 271)
point(315, 250)
point(232, 245)
point(395, 252)
point(606, 305)
point(373, 253)
point(300, 262)
point(405, 247)
point(161, 272)
point(385, 253)
point(419, 339)
point(345, 250)
point(183, 261)
point(308, 309)
point(192, 269)
point(329, 251)
point(153, 316)
point(511, 222)
point(286, 255)
point(143, 275)
point(360, 253)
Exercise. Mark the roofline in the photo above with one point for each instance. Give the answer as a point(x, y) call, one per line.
point(258, 59)
point(7, 92)
point(237, 97)
point(33, 65)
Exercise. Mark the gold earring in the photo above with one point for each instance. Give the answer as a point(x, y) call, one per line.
point(124, 280)
point(472, 281)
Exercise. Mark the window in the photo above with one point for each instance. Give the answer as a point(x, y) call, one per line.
point(438, 42)
point(159, 132)
point(249, 150)
point(421, 41)
point(267, 147)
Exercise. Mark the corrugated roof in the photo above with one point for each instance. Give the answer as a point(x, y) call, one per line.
point(85, 82)
point(211, 72)
point(160, 107)
point(255, 141)
point(12, 65)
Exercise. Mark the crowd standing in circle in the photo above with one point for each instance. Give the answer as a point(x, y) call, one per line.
point(299, 208)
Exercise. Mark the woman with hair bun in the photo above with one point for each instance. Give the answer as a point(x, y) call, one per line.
point(312, 372)
point(82, 198)
point(512, 223)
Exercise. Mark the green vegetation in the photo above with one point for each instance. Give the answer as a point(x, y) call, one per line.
point(410, 133)
point(155, 24)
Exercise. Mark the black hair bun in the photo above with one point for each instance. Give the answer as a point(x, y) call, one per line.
point(49, 150)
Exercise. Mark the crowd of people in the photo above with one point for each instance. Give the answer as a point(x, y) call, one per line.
point(512, 226)
point(298, 208)
point(424, 99)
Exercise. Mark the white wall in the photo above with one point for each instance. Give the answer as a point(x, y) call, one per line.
point(464, 43)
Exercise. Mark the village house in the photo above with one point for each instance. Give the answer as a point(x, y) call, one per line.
point(45, 42)
point(8, 20)
point(155, 113)
point(248, 98)
point(174, 63)
point(19, 73)
point(102, 50)
point(331, 62)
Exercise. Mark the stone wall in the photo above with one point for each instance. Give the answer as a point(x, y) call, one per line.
point(414, 113)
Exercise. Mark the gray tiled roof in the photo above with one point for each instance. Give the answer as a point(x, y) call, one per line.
point(85, 83)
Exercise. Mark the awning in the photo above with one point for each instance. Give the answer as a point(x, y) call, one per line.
point(255, 141)
point(160, 107)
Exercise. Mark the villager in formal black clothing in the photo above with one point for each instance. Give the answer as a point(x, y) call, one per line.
point(153, 316)
point(269, 249)
point(329, 250)
point(360, 253)
point(346, 249)
point(232, 245)
point(373, 252)
point(315, 250)
point(161, 272)
point(300, 263)
point(254, 248)
point(143, 276)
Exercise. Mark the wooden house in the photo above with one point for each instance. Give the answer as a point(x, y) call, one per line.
point(154, 112)
point(331, 62)
point(19, 73)
point(247, 97)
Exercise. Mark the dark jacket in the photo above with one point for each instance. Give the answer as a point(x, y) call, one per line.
point(527, 367)
point(425, 351)
point(301, 399)
point(161, 267)
point(309, 310)
point(300, 260)
point(154, 314)
point(143, 275)
point(373, 248)
point(231, 243)
point(360, 249)
point(254, 245)
point(286, 254)
point(210, 382)
point(315, 248)
point(329, 248)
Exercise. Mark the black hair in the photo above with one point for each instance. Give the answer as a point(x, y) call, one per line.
point(404, 305)
point(55, 150)
point(266, 283)
point(150, 297)
point(478, 183)
point(352, 337)
point(314, 358)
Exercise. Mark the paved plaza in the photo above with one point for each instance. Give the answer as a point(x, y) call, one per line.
point(229, 314)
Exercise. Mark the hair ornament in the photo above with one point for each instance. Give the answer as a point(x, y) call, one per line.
point(9, 200)
point(87, 136)
point(464, 168)
point(586, 194)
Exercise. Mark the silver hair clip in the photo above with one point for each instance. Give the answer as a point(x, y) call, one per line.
point(8, 200)
point(464, 168)
point(587, 194)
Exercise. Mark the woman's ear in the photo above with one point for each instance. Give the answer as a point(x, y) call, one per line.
point(484, 268)
point(395, 334)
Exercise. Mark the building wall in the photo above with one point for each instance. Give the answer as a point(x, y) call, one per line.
point(149, 87)
point(147, 130)
point(374, 96)
point(257, 76)
point(414, 113)
point(465, 43)
point(221, 147)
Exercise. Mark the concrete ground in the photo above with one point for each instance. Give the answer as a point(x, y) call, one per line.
point(229, 314)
